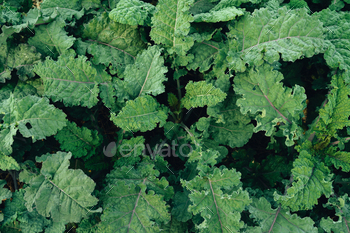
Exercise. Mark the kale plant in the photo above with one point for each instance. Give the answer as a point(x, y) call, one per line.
point(174, 116)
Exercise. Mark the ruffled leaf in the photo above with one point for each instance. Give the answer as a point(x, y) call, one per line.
point(133, 12)
point(51, 39)
point(22, 58)
point(264, 35)
point(311, 180)
point(60, 193)
point(199, 94)
point(112, 43)
point(219, 208)
point(278, 220)
point(141, 114)
point(263, 93)
point(82, 142)
point(71, 80)
point(33, 116)
point(146, 75)
point(171, 25)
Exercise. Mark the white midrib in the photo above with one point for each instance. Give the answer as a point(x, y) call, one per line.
point(144, 83)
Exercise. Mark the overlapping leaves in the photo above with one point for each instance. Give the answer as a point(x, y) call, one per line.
point(265, 36)
point(263, 94)
point(58, 192)
point(134, 200)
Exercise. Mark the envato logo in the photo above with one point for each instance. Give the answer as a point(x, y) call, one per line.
point(127, 150)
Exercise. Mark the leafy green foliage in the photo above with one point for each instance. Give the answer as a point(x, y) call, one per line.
point(150, 69)
point(112, 43)
point(56, 185)
point(52, 39)
point(22, 58)
point(263, 92)
point(174, 116)
point(264, 35)
point(199, 94)
point(279, 220)
point(171, 25)
point(142, 114)
point(70, 77)
point(341, 206)
point(133, 190)
point(311, 180)
point(133, 12)
point(82, 142)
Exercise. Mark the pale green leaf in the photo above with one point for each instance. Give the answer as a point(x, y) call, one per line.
point(263, 94)
point(342, 209)
point(228, 126)
point(337, 32)
point(221, 15)
point(220, 210)
point(61, 193)
point(340, 159)
point(51, 39)
point(141, 114)
point(335, 114)
point(33, 116)
point(4, 192)
point(134, 199)
point(311, 180)
point(130, 208)
point(199, 94)
point(171, 25)
point(204, 55)
point(278, 220)
point(71, 80)
point(146, 75)
point(133, 12)
point(64, 9)
point(291, 34)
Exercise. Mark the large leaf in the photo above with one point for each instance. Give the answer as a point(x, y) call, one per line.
point(141, 114)
point(33, 116)
point(171, 24)
point(337, 31)
point(145, 76)
point(278, 220)
point(311, 180)
point(199, 94)
point(51, 39)
point(219, 208)
point(264, 35)
point(133, 12)
point(60, 193)
point(72, 80)
point(338, 159)
point(64, 9)
point(133, 200)
point(113, 43)
point(22, 58)
point(263, 93)
point(335, 114)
